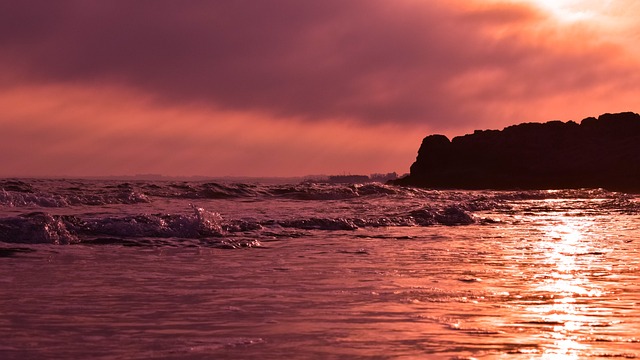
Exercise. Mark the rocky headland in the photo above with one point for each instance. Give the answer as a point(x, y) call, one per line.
point(601, 152)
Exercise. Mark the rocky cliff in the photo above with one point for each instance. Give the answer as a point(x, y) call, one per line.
point(597, 153)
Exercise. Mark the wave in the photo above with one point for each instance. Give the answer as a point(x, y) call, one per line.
point(17, 193)
point(28, 199)
point(64, 193)
point(451, 215)
point(36, 228)
point(287, 211)
point(16, 185)
point(44, 228)
point(209, 190)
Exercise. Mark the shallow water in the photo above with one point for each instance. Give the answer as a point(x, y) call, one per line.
point(177, 270)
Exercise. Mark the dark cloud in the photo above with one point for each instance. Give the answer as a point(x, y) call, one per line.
point(369, 60)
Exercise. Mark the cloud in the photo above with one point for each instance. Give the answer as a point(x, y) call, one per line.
point(289, 87)
point(369, 61)
point(76, 131)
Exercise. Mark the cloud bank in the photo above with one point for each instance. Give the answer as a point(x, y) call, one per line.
point(354, 69)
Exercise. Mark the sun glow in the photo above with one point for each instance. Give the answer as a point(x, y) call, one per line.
point(572, 10)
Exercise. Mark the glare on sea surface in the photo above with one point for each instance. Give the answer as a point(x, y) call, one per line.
point(564, 280)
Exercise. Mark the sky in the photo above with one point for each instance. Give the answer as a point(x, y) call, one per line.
point(291, 87)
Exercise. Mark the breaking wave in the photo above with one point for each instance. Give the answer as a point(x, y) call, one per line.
point(42, 227)
point(18, 193)
point(84, 211)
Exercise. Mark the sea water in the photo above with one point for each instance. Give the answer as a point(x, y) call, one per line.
point(213, 270)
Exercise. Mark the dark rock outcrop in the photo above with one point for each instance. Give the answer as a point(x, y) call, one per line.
point(597, 153)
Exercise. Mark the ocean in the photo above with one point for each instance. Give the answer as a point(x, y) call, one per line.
point(97, 269)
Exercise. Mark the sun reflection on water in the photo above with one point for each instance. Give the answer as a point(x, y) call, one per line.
point(564, 282)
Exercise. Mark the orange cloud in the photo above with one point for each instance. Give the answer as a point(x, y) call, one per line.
point(62, 130)
point(288, 87)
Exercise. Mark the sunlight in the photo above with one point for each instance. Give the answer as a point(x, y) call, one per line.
point(563, 283)
point(565, 241)
point(568, 234)
point(565, 349)
point(572, 10)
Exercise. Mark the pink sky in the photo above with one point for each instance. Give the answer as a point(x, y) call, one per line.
point(289, 87)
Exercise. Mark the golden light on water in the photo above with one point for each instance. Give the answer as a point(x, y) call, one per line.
point(566, 287)
point(562, 286)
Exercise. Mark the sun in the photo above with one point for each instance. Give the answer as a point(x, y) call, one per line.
point(572, 10)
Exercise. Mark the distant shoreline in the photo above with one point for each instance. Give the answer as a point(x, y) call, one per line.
point(224, 179)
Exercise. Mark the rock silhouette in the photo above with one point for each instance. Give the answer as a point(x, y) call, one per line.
point(597, 153)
